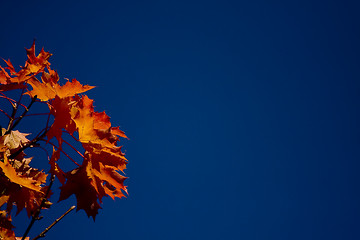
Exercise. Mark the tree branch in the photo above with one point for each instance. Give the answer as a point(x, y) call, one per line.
point(11, 125)
point(53, 224)
point(37, 213)
point(10, 100)
point(14, 110)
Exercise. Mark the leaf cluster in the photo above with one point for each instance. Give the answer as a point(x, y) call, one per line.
point(71, 113)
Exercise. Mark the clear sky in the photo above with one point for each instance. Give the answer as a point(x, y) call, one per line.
point(243, 116)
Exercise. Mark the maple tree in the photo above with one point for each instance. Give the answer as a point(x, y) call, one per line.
point(71, 114)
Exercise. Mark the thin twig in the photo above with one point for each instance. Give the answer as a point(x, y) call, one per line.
point(21, 95)
point(72, 135)
point(15, 107)
point(37, 213)
point(53, 224)
point(47, 122)
point(7, 98)
point(5, 113)
point(73, 148)
point(11, 101)
point(44, 149)
point(58, 148)
point(14, 110)
point(34, 114)
point(22, 115)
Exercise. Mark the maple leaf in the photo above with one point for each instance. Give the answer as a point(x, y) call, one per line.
point(4, 76)
point(60, 109)
point(48, 90)
point(92, 126)
point(79, 183)
point(33, 66)
point(12, 142)
point(10, 67)
point(104, 164)
point(24, 181)
point(14, 139)
point(22, 185)
point(102, 123)
point(107, 156)
point(82, 116)
point(111, 181)
point(36, 63)
point(7, 82)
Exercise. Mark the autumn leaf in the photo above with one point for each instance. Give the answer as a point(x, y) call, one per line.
point(60, 109)
point(10, 67)
point(48, 90)
point(94, 127)
point(107, 156)
point(14, 139)
point(9, 171)
point(79, 183)
point(22, 185)
point(4, 76)
point(37, 63)
point(112, 181)
point(81, 113)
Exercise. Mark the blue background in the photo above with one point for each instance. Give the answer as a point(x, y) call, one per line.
point(243, 116)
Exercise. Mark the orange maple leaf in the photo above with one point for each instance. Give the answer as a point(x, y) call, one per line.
point(60, 108)
point(48, 90)
point(107, 156)
point(37, 63)
point(22, 185)
point(94, 127)
point(24, 181)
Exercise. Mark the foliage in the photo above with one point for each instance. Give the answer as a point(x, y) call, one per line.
point(70, 115)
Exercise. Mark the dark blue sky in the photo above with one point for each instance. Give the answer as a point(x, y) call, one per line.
point(243, 116)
